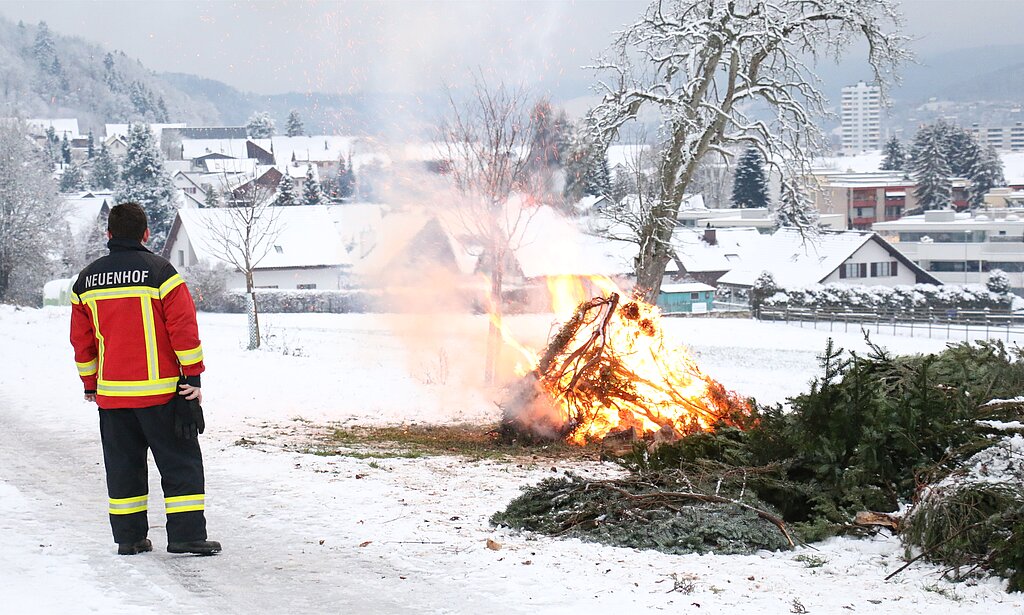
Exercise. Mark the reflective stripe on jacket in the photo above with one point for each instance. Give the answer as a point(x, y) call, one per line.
point(133, 328)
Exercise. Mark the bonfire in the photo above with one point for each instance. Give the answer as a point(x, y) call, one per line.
point(608, 371)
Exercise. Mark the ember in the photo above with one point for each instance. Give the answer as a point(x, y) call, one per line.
point(607, 369)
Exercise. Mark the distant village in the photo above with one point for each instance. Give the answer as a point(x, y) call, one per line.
point(354, 233)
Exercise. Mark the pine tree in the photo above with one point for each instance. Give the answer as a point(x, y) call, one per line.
point(547, 143)
point(750, 186)
point(211, 198)
point(895, 157)
point(144, 181)
point(293, 125)
point(998, 282)
point(260, 126)
point(286, 196)
point(65, 149)
point(105, 172)
point(91, 151)
point(311, 192)
point(931, 171)
point(959, 148)
point(586, 173)
point(986, 173)
point(43, 49)
point(72, 180)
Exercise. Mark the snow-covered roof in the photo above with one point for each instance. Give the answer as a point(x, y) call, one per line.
point(121, 130)
point(316, 148)
point(357, 224)
point(307, 236)
point(231, 165)
point(194, 148)
point(794, 260)
point(730, 248)
point(551, 244)
point(686, 287)
point(84, 209)
point(297, 171)
point(61, 126)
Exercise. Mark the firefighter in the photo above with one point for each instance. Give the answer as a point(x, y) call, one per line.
point(136, 341)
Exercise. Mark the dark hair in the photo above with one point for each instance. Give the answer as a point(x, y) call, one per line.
point(127, 221)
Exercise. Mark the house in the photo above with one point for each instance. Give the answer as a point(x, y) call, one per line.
point(305, 253)
point(63, 127)
point(686, 298)
point(117, 145)
point(850, 257)
point(87, 211)
point(962, 248)
point(705, 255)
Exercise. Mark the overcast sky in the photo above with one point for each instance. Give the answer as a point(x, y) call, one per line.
point(274, 47)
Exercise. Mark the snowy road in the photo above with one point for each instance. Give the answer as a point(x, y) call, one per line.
point(310, 534)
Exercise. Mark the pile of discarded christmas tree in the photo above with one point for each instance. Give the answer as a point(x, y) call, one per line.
point(928, 445)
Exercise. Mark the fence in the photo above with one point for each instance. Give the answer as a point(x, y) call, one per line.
point(952, 324)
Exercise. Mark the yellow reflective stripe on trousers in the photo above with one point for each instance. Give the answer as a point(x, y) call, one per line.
point(127, 506)
point(88, 368)
point(149, 332)
point(137, 388)
point(190, 357)
point(173, 282)
point(185, 503)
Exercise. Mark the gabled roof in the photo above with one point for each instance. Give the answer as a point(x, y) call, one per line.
point(85, 210)
point(551, 244)
point(731, 245)
point(307, 237)
point(62, 126)
point(797, 261)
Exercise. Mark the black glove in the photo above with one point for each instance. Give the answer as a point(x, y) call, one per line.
point(188, 417)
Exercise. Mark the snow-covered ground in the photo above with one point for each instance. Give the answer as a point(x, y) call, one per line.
point(311, 534)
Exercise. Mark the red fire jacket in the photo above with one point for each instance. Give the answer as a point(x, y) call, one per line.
point(133, 328)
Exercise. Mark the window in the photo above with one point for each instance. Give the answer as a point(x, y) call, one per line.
point(884, 270)
point(181, 258)
point(694, 295)
point(279, 249)
point(853, 270)
point(305, 286)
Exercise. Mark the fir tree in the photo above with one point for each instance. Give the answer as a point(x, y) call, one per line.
point(293, 125)
point(65, 149)
point(260, 126)
point(750, 186)
point(286, 196)
point(998, 282)
point(931, 171)
point(586, 173)
point(91, 151)
point(105, 172)
point(959, 148)
point(311, 192)
point(144, 181)
point(43, 49)
point(346, 180)
point(72, 180)
point(895, 157)
point(549, 141)
point(986, 173)
point(211, 198)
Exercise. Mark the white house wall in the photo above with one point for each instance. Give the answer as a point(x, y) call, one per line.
point(869, 253)
point(325, 278)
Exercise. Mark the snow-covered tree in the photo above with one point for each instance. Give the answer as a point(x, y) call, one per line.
point(145, 181)
point(211, 197)
point(750, 186)
point(586, 171)
point(31, 213)
point(986, 173)
point(286, 195)
point(706, 66)
point(894, 157)
point(549, 143)
point(764, 287)
point(931, 171)
point(242, 236)
point(72, 179)
point(260, 126)
point(791, 211)
point(65, 149)
point(481, 139)
point(105, 173)
point(312, 194)
point(998, 282)
point(293, 125)
point(345, 182)
point(91, 147)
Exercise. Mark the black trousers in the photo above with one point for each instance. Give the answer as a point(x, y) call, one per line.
point(126, 435)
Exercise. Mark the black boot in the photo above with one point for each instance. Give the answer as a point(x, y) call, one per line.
point(134, 548)
point(198, 547)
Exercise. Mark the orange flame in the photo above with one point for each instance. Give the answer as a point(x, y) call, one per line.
point(667, 390)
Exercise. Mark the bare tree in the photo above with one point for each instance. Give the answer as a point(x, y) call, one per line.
point(242, 233)
point(729, 73)
point(31, 216)
point(485, 142)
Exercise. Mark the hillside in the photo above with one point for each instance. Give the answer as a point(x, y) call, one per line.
point(45, 74)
